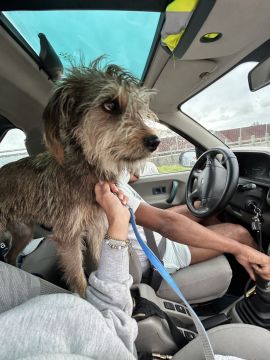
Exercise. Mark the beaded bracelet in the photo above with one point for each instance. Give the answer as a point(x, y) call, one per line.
point(115, 243)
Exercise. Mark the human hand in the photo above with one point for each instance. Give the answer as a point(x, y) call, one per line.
point(134, 177)
point(254, 262)
point(114, 206)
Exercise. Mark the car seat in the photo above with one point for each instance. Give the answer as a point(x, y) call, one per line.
point(245, 341)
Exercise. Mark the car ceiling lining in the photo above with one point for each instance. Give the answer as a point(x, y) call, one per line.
point(227, 52)
point(230, 18)
point(188, 73)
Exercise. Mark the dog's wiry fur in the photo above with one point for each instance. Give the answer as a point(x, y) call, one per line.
point(86, 141)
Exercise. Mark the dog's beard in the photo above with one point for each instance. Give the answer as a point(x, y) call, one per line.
point(111, 170)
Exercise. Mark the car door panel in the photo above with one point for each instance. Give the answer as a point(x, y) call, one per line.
point(156, 190)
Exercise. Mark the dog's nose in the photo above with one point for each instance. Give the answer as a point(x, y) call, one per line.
point(151, 142)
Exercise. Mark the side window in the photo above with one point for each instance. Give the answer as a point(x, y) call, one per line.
point(12, 146)
point(174, 153)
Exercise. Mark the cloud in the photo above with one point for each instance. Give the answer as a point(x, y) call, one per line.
point(13, 140)
point(228, 103)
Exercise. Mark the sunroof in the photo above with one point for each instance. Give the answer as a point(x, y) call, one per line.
point(124, 36)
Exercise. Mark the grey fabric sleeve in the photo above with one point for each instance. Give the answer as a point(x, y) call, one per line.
point(109, 292)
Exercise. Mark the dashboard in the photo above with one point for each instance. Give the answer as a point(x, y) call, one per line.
point(254, 166)
point(254, 186)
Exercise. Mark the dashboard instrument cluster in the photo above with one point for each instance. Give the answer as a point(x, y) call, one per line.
point(254, 166)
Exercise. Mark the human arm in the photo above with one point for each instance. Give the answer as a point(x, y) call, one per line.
point(179, 228)
point(109, 286)
point(62, 325)
point(184, 210)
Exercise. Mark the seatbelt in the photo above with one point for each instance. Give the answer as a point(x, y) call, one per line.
point(207, 348)
point(156, 278)
point(151, 242)
point(145, 308)
point(32, 246)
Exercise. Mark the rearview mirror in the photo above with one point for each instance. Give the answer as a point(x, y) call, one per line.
point(259, 76)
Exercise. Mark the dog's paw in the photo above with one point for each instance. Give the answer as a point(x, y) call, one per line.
point(79, 288)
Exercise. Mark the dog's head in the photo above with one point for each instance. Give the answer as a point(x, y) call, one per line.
point(99, 115)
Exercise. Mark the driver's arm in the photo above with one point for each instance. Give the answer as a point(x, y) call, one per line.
point(180, 228)
point(183, 210)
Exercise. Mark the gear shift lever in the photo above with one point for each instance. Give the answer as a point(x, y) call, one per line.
point(255, 307)
point(263, 286)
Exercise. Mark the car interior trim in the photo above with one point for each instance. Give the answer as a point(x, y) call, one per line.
point(5, 125)
point(154, 46)
point(138, 5)
point(14, 33)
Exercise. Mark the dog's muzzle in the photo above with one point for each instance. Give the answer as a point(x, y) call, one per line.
point(151, 142)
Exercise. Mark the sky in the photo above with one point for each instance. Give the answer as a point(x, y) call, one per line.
point(228, 103)
point(13, 140)
point(124, 36)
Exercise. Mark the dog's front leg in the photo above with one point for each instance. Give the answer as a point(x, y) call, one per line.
point(71, 261)
point(94, 237)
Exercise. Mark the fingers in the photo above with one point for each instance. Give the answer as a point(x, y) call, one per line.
point(254, 262)
point(262, 266)
point(119, 193)
point(248, 266)
point(262, 270)
point(105, 188)
point(114, 188)
point(250, 271)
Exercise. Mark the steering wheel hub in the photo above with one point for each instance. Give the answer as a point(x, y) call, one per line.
point(212, 181)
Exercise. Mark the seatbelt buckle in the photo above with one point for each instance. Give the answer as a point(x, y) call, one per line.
point(5, 244)
point(4, 249)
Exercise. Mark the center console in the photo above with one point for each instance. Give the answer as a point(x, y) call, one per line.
point(154, 335)
point(254, 308)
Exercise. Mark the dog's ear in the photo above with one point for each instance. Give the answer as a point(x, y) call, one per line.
point(54, 114)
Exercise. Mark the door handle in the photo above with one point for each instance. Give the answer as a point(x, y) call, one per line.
point(174, 188)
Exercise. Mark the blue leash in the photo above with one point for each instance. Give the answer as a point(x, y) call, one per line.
point(207, 348)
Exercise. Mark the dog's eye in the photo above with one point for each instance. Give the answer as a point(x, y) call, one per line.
point(111, 106)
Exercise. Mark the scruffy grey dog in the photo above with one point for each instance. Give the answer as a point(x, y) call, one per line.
point(94, 128)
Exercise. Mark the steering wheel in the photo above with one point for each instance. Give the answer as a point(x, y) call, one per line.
point(212, 180)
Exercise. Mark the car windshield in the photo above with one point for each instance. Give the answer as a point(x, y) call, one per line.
point(233, 113)
point(124, 36)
